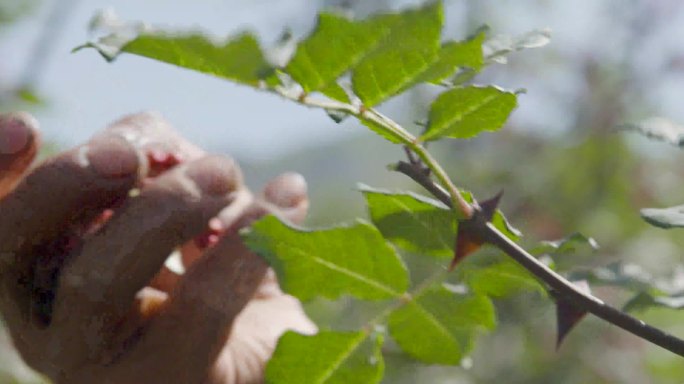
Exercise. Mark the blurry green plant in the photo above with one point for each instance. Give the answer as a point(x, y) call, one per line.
point(347, 67)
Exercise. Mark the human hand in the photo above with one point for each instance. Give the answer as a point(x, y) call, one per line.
point(84, 291)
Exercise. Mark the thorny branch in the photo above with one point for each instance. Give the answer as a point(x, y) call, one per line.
point(558, 283)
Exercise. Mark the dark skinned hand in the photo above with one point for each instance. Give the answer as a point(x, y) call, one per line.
point(84, 237)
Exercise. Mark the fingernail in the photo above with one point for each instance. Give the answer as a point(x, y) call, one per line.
point(215, 175)
point(287, 190)
point(113, 157)
point(15, 131)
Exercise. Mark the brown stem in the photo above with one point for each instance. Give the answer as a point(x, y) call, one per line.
point(557, 282)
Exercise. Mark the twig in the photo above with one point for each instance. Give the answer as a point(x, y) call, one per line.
point(562, 286)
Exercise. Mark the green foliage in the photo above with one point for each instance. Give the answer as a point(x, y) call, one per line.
point(409, 48)
point(501, 279)
point(383, 56)
point(327, 358)
point(354, 260)
point(239, 59)
point(462, 113)
point(336, 45)
point(438, 326)
point(412, 222)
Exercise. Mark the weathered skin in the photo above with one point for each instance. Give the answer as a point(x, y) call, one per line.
point(84, 290)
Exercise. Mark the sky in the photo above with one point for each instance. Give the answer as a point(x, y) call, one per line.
point(84, 93)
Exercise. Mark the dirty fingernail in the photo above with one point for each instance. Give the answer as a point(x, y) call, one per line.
point(215, 175)
point(16, 130)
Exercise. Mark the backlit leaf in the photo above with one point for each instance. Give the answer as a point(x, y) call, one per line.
point(501, 279)
point(353, 260)
point(327, 358)
point(411, 221)
point(454, 55)
point(408, 49)
point(464, 112)
point(239, 59)
point(334, 47)
point(439, 326)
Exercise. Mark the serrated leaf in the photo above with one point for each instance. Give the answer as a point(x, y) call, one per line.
point(672, 217)
point(464, 112)
point(240, 59)
point(326, 358)
point(378, 129)
point(659, 128)
point(408, 49)
point(411, 221)
point(335, 92)
point(353, 260)
point(501, 279)
point(334, 47)
point(568, 244)
point(454, 55)
point(498, 47)
point(618, 274)
point(439, 326)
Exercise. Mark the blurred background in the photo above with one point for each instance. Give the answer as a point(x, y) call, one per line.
point(561, 162)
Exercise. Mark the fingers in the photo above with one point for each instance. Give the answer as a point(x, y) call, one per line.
point(99, 284)
point(19, 143)
point(130, 248)
point(39, 216)
point(163, 146)
point(213, 292)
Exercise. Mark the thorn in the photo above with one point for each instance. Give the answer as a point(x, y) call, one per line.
point(490, 205)
point(568, 315)
point(467, 242)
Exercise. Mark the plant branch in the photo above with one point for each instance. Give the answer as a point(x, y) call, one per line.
point(562, 286)
point(463, 209)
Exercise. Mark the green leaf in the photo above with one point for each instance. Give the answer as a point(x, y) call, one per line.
point(643, 301)
point(327, 357)
point(465, 112)
point(619, 274)
point(454, 55)
point(335, 92)
point(334, 47)
point(658, 128)
point(501, 279)
point(412, 222)
point(569, 244)
point(439, 326)
point(409, 48)
point(672, 217)
point(381, 131)
point(501, 223)
point(353, 260)
point(239, 59)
